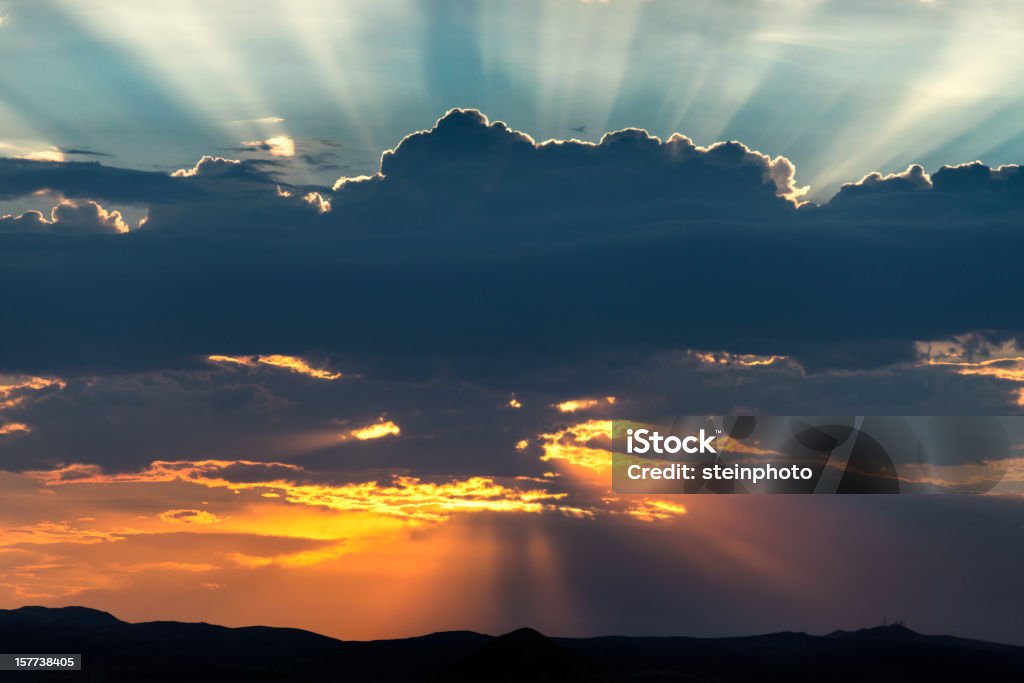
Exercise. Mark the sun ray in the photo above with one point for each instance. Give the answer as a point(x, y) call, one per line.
point(193, 50)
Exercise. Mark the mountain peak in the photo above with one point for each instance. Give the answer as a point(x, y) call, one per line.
point(37, 614)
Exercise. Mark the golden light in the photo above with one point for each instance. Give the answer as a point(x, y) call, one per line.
point(277, 146)
point(972, 355)
point(14, 390)
point(291, 363)
point(576, 405)
point(14, 428)
point(378, 430)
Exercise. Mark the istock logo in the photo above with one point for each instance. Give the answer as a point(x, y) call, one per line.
point(869, 454)
point(641, 441)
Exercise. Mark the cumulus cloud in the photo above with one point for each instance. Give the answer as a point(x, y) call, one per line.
point(317, 201)
point(70, 216)
point(952, 195)
point(914, 178)
point(469, 171)
point(30, 221)
point(208, 165)
point(73, 216)
point(481, 243)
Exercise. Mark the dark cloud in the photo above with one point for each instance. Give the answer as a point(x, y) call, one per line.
point(71, 151)
point(123, 422)
point(70, 216)
point(89, 180)
point(30, 221)
point(211, 167)
point(478, 250)
point(470, 173)
point(957, 196)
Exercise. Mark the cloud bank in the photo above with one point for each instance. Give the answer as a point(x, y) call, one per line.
point(475, 243)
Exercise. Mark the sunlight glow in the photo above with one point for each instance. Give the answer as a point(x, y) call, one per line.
point(973, 355)
point(277, 146)
point(291, 363)
point(194, 47)
point(579, 404)
point(14, 428)
point(378, 430)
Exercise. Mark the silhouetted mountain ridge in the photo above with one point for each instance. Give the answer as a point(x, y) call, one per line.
point(115, 650)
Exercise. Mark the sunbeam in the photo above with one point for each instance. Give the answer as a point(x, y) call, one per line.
point(197, 49)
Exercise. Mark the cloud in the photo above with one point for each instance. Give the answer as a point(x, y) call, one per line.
point(483, 244)
point(278, 146)
point(14, 428)
point(476, 171)
point(479, 265)
point(261, 120)
point(14, 390)
point(49, 154)
point(291, 363)
point(580, 404)
point(70, 216)
point(71, 151)
point(914, 178)
point(960, 194)
point(378, 430)
point(403, 496)
point(208, 165)
point(976, 355)
point(90, 180)
point(318, 201)
point(586, 445)
point(188, 517)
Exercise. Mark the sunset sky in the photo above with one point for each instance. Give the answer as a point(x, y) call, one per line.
point(317, 313)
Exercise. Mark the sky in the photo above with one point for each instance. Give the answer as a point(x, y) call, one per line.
point(318, 313)
point(841, 88)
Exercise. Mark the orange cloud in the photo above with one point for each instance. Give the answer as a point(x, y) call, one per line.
point(579, 404)
point(14, 390)
point(405, 496)
point(14, 428)
point(742, 360)
point(377, 430)
point(972, 355)
point(648, 509)
point(318, 202)
point(188, 517)
point(583, 452)
point(298, 365)
point(97, 532)
point(585, 445)
point(291, 363)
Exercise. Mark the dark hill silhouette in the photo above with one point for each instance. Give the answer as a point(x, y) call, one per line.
point(524, 655)
point(114, 650)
